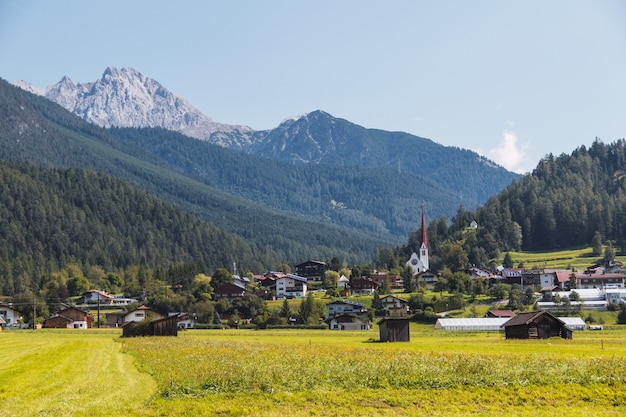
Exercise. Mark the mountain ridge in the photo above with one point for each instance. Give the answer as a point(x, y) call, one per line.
point(128, 98)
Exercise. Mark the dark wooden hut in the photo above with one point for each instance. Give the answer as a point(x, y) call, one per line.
point(536, 325)
point(394, 329)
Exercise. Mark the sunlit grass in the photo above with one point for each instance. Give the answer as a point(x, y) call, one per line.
point(68, 373)
point(310, 372)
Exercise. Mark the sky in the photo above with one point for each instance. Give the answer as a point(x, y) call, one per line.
point(513, 80)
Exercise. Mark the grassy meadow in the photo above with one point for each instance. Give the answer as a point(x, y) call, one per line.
point(310, 372)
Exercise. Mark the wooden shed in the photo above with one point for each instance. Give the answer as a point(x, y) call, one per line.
point(536, 325)
point(394, 329)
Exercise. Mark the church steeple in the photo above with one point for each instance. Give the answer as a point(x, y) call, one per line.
point(424, 247)
point(424, 237)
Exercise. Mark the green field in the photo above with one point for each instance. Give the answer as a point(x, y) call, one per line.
point(310, 372)
point(577, 259)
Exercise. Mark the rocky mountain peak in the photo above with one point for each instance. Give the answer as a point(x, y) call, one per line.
point(127, 98)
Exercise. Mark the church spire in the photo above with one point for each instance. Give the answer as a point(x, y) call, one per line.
point(424, 237)
point(424, 247)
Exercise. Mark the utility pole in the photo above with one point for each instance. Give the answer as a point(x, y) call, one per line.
point(98, 311)
point(34, 313)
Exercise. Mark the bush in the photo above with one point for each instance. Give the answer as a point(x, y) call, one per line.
point(427, 316)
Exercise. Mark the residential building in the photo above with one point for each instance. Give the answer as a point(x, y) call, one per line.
point(229, 291)
point(140, 314)
point(395, 306)
point(93, 296)
point(363, 286)
point(69, 318)
point(312, 270)
point(379, 277)
point(335, 308)
point(348, 322)
point(291, 286)
point(10, 316)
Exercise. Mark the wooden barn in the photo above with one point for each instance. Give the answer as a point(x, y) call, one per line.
point(394, 329)
point(536, 325)
point(167, 326)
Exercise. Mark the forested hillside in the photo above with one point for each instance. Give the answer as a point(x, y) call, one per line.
point(50, 218)
point(381, 204)
point(567, 201)
point(37, 131)
point(564, 202)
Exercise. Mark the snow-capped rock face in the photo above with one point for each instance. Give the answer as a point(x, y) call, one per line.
point(127, 98)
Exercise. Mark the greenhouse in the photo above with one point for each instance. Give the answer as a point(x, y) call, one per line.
point(472, 324)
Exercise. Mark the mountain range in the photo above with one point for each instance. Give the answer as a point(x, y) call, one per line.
point(127, 98)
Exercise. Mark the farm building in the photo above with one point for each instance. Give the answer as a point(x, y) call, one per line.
point(394, 329)
point(536, 325)
point(492, 324)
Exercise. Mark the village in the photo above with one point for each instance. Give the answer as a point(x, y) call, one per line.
point(597, 289)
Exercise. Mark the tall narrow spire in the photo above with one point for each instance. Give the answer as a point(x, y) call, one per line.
point(424, 237)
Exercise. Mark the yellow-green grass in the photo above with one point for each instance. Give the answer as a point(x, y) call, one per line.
point(326, 373)
point(68, 373)
point(576, 259)
point(311, 372)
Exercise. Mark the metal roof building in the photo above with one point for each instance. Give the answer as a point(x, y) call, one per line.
point(472, 324)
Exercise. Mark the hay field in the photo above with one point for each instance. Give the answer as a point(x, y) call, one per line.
point(304, 372)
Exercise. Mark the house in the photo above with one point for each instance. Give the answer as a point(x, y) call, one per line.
point(536, 325)
point(363, 286)
point(394, 329)
point(268, 280)
point(336, 308)
point(115, 318)
point(476, 272)
point(140, 314)
point(500, 313)
point(379, 277)
point(291, 286)
point(10, 316)
point(511, 275)
point(69, 318)
point(241, 281)
point(395, 306)
point(347, 322)
point(312, 270)
point(229, 291)
point(94, 296)
point(185, 320)
point(599, 279)
point(427, 280)
point(531, 278)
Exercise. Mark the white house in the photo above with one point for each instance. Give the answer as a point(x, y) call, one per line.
point(291, 286)
point(140, 314)
point(10, 316)
point(395, 306)
point(348, 322)
point(92, 296)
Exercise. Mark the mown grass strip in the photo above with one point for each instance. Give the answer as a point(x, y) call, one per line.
point(68, 373)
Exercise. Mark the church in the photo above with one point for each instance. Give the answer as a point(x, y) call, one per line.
point(419, 262)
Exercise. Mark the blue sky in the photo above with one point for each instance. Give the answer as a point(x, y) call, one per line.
point(513, 80)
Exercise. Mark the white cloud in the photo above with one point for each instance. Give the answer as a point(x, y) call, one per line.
point(511, 154)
